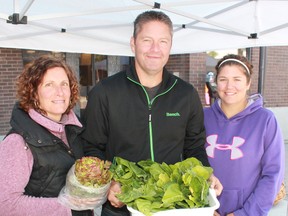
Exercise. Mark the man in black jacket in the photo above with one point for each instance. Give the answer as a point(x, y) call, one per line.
point(145, 112)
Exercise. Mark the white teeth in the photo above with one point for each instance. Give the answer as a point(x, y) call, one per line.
point(58, 101)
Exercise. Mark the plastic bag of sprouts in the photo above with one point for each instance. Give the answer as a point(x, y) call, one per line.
point(87, 184)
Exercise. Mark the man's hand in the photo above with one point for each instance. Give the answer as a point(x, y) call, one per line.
point(216, 184)
point(115, 188)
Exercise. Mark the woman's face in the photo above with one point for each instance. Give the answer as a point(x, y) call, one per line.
point(54, 93)
point(232, 85)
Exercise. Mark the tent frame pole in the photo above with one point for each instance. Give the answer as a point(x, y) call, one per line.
point(262, 69)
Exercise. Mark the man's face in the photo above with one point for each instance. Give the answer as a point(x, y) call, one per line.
point(152, 47)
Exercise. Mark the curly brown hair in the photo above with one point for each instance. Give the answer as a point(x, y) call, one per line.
point(31, 77)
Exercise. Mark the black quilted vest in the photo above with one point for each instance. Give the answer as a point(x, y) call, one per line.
point(52, 157)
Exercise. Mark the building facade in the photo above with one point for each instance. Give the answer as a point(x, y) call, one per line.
point(190, 67)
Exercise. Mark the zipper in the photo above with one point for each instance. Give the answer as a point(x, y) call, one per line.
point(150, 113)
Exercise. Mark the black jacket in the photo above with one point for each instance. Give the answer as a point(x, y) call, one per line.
point(52, 157)
point(121, 120)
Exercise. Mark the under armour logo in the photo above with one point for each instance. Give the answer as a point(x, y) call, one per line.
point(234, 147)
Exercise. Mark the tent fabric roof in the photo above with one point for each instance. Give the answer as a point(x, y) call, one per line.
point(105, 27)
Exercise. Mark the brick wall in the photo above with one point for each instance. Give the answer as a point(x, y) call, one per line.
point(276, 77)
point(11, 65)
point(198, 72)
point(179, 64)
point(255, 62)
point(191, 68)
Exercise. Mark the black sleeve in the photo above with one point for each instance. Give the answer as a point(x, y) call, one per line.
point(82, 213)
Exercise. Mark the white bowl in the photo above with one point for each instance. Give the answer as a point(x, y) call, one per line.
point(205, 211)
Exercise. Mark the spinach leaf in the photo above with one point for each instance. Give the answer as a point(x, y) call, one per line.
point(148, 186)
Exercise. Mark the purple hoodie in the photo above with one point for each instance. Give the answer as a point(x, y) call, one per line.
point(247, 155)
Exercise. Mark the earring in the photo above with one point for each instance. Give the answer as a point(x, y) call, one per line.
point(36, 103)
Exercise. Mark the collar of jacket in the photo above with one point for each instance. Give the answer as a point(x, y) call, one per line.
point(168, 79)
point(35, 134)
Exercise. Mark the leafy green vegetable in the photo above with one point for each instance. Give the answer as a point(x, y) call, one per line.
point(92, 171)
point(172, 195)
point(148, 186)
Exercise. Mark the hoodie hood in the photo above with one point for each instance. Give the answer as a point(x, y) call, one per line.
point(255, 102)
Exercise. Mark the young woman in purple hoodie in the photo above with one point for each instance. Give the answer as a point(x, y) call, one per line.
point(43, 142)
point(244, 143)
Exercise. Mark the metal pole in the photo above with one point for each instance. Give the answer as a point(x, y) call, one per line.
point(262, 68)
point(249, 54)
point(94, 69)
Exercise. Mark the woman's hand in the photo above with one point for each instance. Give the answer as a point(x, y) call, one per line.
point(216, 184)
point(115, 188)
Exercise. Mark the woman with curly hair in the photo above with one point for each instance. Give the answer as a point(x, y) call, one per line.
point(43, 142)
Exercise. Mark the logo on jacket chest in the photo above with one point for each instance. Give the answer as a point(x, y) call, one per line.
point(176, 114)
point(234, 147)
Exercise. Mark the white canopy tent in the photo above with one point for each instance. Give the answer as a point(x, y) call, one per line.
point(105, 26)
